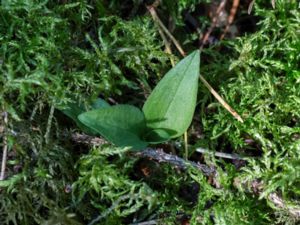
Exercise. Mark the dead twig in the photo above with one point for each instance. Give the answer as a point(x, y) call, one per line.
point(157, 155)
point(88, 140)
point(5, 147)
point(220, 154)
point(213, 24)
point(221, 100)
point(164, 38)
point(231, 17)
point(160, 156)
point(49, 124)
point(155, 17)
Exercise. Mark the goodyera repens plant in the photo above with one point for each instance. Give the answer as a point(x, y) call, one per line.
point(166, 114)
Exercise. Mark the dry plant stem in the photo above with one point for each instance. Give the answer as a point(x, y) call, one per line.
point(160, 156)
point(231, 17)
point(88, 140)
point(221, 100)
point(176, 43)
point(214, 23)
point(186, 145)
point(250, 6)
point(160, 23)
point(219, 154)
point(50, 118)
point(157, 155)
point(5, 148)
point(167, 44)
point(34, 112)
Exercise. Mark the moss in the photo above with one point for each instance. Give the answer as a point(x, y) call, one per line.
point(52, 53)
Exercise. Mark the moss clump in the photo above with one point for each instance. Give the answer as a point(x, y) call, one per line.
point(262, 84)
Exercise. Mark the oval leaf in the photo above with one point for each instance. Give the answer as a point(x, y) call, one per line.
point(123, 125)
point(99, 103)
point(73, 110)
point(172, 103)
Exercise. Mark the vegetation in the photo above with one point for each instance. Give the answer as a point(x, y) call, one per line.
point(55, 54)
point(128, 126)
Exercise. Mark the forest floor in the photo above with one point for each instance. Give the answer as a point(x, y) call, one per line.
point(239, 160)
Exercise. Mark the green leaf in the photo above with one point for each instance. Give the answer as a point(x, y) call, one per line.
point(123, 125)
point(73, 110)
point(172, 103)
point(99, 103)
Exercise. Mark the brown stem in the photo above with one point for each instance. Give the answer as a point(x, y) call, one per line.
point(160, 23)
point(214, 23)
point(231, 17)
point(221, 100)
point(160, 156)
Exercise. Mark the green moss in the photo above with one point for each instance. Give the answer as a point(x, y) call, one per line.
point(262, 84)
point(53, 52)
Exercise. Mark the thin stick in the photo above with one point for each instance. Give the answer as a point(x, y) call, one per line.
point(219, 154)
point(160, 156)
point(157, 19)
point(165, 40)
point(4, 156)
point(186, 147)
point(154, 154)
point(49, 123)
point(231, 17)
point(214, 23)
point(88, 140)
point(176, 43)
point(221, 100)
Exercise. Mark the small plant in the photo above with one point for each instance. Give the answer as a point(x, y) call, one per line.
point(166, 114)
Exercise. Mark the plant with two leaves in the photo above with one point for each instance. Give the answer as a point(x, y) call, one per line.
point(166, 114)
